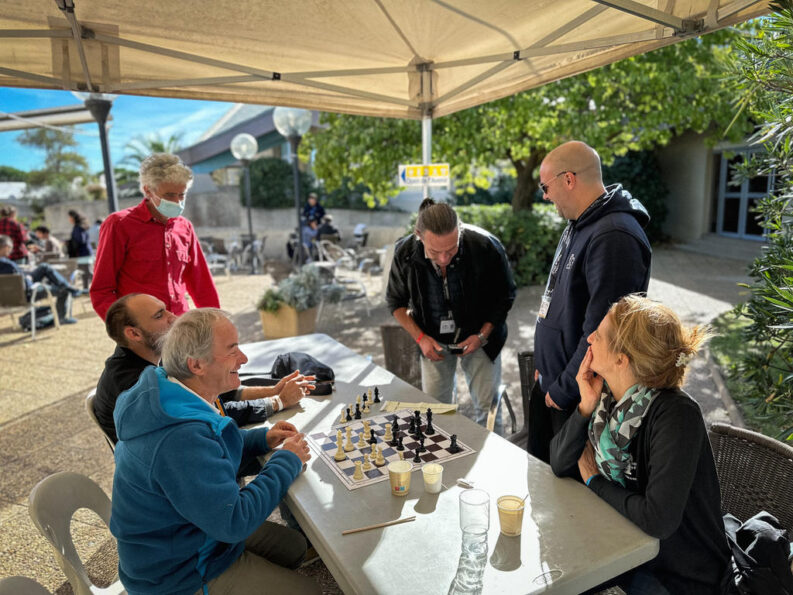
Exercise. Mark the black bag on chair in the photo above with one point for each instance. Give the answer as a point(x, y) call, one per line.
point(286, 363)
point(44, 318)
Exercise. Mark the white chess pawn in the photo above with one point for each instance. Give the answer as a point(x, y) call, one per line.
point(339, 456)
point(388, 436)
point(366, 427)
point(348, 445)
point(358, 475)
point(366, 408)
point(361, 441)
point(379, 460)
point(366, 464)
point(343, 417)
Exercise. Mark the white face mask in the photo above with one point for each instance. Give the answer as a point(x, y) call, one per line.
point(167, 208)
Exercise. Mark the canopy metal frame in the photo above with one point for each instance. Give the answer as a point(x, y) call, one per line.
point(667, 27)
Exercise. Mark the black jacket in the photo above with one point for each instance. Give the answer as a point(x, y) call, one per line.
point(487, 283)
point(673, 494)
point(608, 257)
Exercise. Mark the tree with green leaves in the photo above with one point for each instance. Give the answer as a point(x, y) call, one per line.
point(12, 174)
point(762, 73)
point(141, 146)
point(632, 105)
point(61, 163)
point(272, 184)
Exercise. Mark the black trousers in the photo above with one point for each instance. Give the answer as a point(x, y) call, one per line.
point(544, 423)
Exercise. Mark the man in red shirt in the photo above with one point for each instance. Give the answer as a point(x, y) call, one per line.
point(151, 248)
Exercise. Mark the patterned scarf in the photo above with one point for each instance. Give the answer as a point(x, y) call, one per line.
point(613, 426)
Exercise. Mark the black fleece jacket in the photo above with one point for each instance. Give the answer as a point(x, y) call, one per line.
point(487, 285)
point(672, 495)
point(608, 257)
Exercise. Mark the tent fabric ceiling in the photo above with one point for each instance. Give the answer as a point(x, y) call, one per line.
point(393, 58)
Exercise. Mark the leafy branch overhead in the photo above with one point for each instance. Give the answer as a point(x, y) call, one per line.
point(631, 105)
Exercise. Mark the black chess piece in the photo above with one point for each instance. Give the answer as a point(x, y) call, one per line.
point(395, 426)
point(349, 415)
point(429, 430)
point(364, 398)
point(417, 458)
point(421, 447)
point(417, 417)
point(412, 426)
point(453, 448)
point(376, 395)
point(372, 438)
point(419, 433)
point(400, 446)
point(357, 411)
point(394, 437)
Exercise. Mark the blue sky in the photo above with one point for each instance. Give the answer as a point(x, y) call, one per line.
point(132, 116)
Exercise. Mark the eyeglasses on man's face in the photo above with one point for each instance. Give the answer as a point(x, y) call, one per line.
point(544, 187)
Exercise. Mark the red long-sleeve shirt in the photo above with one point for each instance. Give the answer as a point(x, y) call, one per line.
point(138, 254)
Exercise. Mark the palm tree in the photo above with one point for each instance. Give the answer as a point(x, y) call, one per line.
point(141, 146)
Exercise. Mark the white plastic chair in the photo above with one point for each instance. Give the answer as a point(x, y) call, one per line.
point(13, 297)
point(89, 407)
point(21, 585)
point(52, 504)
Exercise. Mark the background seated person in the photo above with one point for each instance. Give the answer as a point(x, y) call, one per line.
point(47, 243)
point(328, 229)
point(182, 523)
point(43, 272)
point(137, 323)
point(642, 446)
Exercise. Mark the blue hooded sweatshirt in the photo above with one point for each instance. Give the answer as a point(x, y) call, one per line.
point(178, 514)
point(602, 256)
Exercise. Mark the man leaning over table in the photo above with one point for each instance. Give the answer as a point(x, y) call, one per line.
point(151, 248)
point(182, 522)
point(137, 322)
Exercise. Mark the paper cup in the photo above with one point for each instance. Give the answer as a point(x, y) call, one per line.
point(433, 476)
point(510, 514)
point(399, 474)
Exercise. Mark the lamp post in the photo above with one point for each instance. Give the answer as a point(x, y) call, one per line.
point(244, 147)
point(99, 105)
point(293, 123)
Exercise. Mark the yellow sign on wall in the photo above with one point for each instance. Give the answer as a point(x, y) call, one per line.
point(432, 174)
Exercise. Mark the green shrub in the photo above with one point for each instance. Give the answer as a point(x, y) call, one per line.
point(529, 237)
point(302, 290)
point(272, 184)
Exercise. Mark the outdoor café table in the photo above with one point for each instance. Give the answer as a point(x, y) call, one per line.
point(571, 539)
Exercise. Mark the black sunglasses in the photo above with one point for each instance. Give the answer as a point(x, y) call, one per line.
point(544, 187)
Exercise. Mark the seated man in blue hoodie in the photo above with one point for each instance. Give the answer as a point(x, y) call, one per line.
point(182, 522)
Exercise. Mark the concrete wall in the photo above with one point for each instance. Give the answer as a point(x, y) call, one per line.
point(687, 167)
point(220, 215)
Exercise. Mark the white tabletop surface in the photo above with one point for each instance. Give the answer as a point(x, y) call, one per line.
point(569, 534)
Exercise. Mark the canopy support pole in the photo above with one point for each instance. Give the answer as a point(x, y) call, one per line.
point(426, 147)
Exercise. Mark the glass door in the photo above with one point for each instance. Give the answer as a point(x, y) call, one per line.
point(737, 199)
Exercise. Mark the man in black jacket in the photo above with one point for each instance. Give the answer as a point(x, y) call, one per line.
point(451, 288)
point(603, 254)
point(137, 322)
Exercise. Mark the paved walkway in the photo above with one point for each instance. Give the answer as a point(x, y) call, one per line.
point(44, 427)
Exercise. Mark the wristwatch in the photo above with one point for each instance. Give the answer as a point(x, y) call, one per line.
point(482, 339)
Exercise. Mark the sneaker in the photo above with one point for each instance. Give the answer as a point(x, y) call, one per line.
point(77, 292)
point(68, 321)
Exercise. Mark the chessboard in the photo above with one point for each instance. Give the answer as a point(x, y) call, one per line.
point(436, 444)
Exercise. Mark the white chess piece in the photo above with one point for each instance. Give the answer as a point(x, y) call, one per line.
point(358, 475)
point(343, 417)
point(366, 427)
point(366, 464)
point(388, 436)
point(379, 460)
point(339, 456)
point(361, 441)
point(348, 445)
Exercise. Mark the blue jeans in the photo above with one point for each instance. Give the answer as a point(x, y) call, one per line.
point(482, 376)
point(59, 286)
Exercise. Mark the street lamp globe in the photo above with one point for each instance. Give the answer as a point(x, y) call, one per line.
point(292, 121)
point(244, 146)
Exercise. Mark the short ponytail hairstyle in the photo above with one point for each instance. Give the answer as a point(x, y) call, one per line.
point(437, 217)
point(657, 344)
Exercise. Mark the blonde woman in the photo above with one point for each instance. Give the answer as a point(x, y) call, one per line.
point(639, 442)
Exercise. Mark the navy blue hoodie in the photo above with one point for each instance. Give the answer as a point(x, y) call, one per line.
point(178, 514)
point(602, 256)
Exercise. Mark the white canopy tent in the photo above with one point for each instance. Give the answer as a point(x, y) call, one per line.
point(394, 58)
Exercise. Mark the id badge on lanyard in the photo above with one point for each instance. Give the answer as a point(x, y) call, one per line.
point(447, 324)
